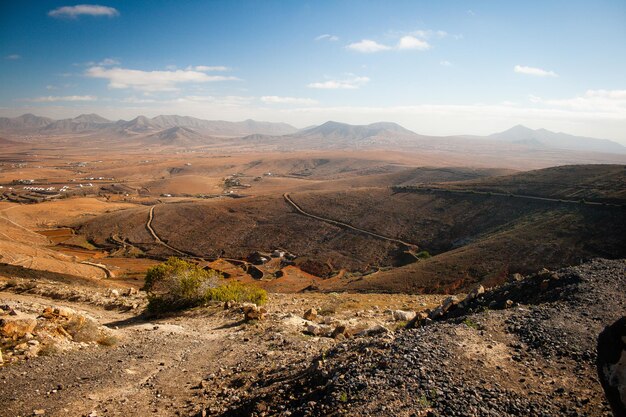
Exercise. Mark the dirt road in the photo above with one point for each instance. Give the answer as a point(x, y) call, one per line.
point(151, 372)
point(345, 225)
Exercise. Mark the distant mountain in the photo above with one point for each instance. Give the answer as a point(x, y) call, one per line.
point(176, 136)
point(547, 139)
point(90, 118)
point(93, 123)
point(81, 124)
point(24, 122)
point(330, 135)
point(344, 131)
point(210, 127)
point(140, 124)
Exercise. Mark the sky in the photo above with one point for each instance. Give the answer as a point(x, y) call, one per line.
point(435, 67)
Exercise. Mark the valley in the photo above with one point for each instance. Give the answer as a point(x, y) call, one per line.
point(370, 226)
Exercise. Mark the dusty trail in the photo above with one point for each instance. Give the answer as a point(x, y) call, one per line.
point(152, 371)
point(158, 239)
point(346, 225)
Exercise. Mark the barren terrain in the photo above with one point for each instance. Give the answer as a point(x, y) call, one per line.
point(366, 226)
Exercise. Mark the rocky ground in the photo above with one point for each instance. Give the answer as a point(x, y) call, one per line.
point(526, 348)
point(201, 360)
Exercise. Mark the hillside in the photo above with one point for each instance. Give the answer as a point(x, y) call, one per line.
point(475, 238)
point(604, 183)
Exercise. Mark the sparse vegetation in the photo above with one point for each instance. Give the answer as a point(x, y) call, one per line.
point(469, 323)
point(422, 255)
point(424, 402)
point(177, 284)
point(401, 325)
point(236, 291)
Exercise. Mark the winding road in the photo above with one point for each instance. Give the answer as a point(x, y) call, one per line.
point(158, 239)
point(248, 268)
point(491, 193)
point(345, 225)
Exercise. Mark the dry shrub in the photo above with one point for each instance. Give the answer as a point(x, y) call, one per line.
point(178, 284)
point(236, 291)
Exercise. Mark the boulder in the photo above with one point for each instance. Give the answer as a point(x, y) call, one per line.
point(131, 291)
point(58, 312)
point(313, 329)
point(64, 312)
point(417, 321)
point(402, 315)
point(611, 365)
point(373, 331)
point(310, 314)
point(17, 326)
point(445, 306)
point(472, 295)
point(340, 332)
point(253, 312)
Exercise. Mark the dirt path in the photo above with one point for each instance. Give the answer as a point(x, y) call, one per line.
point(345, 225)
point(106, 270)
point(491, 193)
point(158, 239)
point(152, 371)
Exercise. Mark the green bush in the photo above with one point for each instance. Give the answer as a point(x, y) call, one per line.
point(422, 255)
point(178, 284)
point(236, 291)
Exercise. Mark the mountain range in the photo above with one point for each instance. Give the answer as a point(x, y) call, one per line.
point(93, 123)
point(191, 131)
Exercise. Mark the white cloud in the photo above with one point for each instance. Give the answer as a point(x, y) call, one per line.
point(327, 37)
point(151, 81)
point(287, 100)
point(52, 99)
point(411, 42)
point(83, 10)
point(445, 63)
point(608, 101)
point(351, 83)
point(537, 72)
point(407, 42)
point(367, 46)
point(204, 68)
point(13, 57)
point(428, 33)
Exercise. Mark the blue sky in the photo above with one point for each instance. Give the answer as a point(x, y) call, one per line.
point(436, 67)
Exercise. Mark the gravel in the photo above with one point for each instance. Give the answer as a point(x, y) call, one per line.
point(535, 358)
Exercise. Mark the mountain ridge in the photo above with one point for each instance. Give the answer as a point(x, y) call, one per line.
point(331, 133)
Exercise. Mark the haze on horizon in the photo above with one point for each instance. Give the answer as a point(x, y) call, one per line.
point(441, 68)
